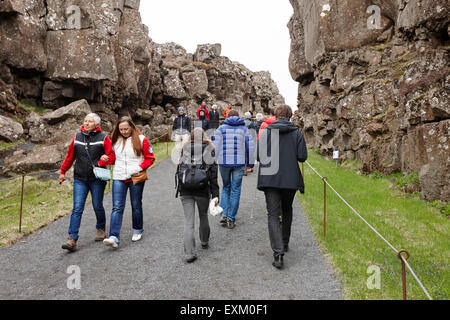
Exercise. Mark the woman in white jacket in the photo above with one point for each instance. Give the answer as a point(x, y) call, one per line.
point(133, 155)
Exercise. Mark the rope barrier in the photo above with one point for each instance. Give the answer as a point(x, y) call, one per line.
point(377, 233)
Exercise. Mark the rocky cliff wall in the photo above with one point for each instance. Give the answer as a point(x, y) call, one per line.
point(71, 57)
point(374, 82)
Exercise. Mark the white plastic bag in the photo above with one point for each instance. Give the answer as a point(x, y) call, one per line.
point(213, 209)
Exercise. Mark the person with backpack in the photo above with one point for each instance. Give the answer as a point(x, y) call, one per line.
point(235, 150)
point(90, 147)
point(279, 177)
point(134, 155)
point(196, 179)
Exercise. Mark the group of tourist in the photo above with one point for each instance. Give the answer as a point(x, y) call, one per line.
point(131, 154)
point(201, 153)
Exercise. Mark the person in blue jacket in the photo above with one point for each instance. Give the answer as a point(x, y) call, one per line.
point(235, 149)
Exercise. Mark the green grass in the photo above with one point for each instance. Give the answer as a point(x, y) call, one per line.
point(31, 107)
point(6, 145)
point(351, 246)
point(44, 202)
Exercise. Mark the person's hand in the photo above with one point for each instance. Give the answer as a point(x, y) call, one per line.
point(217, 203)
point(104, 158)
point(61, 178)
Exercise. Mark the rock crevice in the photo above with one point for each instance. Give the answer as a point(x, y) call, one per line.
point(378, 95)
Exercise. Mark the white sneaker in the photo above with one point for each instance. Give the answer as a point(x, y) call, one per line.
point(110, 242)
point(136, 237)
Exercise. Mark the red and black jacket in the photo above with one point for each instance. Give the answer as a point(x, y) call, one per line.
point(98, 144)
point(204, 109)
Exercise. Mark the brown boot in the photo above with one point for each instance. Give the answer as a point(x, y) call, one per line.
point(100, 235)
point(71, 245)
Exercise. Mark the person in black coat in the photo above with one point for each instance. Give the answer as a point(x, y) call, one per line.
point(199, 143)
point(181, 129)
point(182, 123)
point(279, 177)
point(214, 117)
point(202, 121)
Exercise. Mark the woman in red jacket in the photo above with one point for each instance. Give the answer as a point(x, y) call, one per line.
point(89, 147)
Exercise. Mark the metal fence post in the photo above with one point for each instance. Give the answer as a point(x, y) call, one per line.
point(324, 206)
point(21, 203)
point(403, 270)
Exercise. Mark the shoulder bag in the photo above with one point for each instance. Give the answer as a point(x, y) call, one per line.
point(100, 173)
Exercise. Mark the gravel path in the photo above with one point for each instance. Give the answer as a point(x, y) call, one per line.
point(236, 266)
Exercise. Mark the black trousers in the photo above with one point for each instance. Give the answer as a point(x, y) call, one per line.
point(279, 210)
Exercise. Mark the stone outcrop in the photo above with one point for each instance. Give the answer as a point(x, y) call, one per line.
point(376, 87)
point(187, 79)
point(71, 57)
point(10, 130)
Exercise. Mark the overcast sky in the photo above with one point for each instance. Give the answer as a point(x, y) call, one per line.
point(252, 32)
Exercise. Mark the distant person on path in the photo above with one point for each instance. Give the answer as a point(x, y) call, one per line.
point(134, 155)
point(181, 129)
point(271, 119)
point(228, 109)
point(248, 121)
point(204, 108)
point(235, 148)
point(90, 140)
point(259, 121)
point(214, 118)
point(202, 121)
point(281, 185)
point(199, 150)
point(252, 127)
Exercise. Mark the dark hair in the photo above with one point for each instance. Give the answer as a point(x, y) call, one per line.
point(283, 112)
point(134, 134)
point(272, 110)
point(233, 113)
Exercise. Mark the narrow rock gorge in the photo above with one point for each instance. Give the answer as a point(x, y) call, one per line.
point(61, 59)
point(374, 83)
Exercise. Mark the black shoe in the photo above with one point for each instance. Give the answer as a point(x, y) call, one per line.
point(286, 248)
point(190, 260)
point(205, 246)
point(278, 262)
point(223, 220)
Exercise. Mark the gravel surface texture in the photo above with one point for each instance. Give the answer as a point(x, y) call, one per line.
point(237, 264)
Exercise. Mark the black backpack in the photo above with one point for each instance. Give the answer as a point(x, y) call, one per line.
point(191, 175)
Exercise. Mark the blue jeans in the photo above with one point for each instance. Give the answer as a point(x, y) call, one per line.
point(231, 193)
point(80, 193)
point(119, 196)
